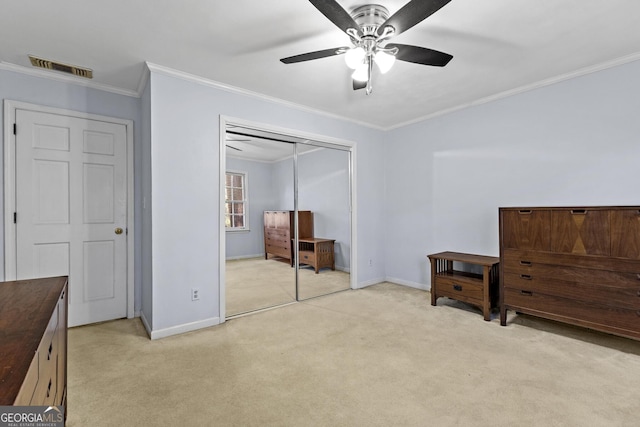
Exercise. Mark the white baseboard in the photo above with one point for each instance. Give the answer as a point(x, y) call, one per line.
point(416, 285)
point(235, 258)
point(146, 324)
point(187, 327)
point(371, 282)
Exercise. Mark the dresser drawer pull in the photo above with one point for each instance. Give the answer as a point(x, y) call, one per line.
point(457, 288)
point(526, 293)
point(49, 389)
point(50, 350)
point(525, 276)
point(578, 211)
point(638, 276)
point(525, 211)
point(525, 262)
point(639, 293)
point(638, 312)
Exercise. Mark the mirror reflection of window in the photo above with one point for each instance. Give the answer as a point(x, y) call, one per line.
point(236, 202)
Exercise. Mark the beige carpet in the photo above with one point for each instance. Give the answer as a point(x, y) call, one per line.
point(256, 283)
point(380, 356)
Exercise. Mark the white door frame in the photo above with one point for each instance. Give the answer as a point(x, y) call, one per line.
point(351, 146)
point(10, 108)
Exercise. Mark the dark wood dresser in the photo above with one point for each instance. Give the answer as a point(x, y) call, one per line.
point(279, 232)
point(579, 265)
point(33, 342)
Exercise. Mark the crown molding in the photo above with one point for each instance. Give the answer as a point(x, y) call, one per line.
point(217, 85)
point(54, 75)
point(542, 83)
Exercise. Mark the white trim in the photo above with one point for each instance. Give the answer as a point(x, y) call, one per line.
point(371, 282)
point(58, 76)
point(241, 257)
point(539, 84)
point(346, 145)
point(185, 327)
point(408, 283)
point(10, 108)
point(228, 88)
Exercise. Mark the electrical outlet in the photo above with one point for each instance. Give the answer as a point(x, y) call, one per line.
point(370, 263)
point(195, 294)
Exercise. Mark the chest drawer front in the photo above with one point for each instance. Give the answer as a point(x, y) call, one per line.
point(461, 289)
point(276, 232)
point(619, 320)
point(526, 229)
point(278, 241)
point(514, 257)
point(619, 279)
point(618, 295)
point(580, 231)
point(45, 392)
point(25, 395)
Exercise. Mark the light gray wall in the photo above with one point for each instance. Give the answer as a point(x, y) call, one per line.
point(185, 175)
point(244, 244)
point(571, 143)
point(52, 93)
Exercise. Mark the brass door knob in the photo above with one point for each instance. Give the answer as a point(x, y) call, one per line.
point(118, 230)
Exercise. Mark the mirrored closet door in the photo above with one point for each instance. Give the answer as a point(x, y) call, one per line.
point(297, 207)
point(259, 271)
point(324, 188)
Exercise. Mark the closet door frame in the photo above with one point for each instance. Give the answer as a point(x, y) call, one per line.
point(305, 138)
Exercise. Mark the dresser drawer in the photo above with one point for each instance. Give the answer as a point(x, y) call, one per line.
point(278, 250)
point(462, 289)
point(619, 294)
point(47, 365)
point(514, 257)
point(582, 313)
point(307, 257)
point(276, 233)
point(25, 395)
point(573, 274)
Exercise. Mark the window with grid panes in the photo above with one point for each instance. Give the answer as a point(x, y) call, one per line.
point(235, 209)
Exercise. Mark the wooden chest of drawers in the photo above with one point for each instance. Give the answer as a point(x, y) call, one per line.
point(577, 265)
point(279, 230)
point(33, 342)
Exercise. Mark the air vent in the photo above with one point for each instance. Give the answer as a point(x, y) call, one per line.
point(59, 66)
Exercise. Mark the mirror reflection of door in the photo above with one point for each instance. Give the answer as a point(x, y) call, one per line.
point(324, 189)
point(266, 174)
point(257, 279)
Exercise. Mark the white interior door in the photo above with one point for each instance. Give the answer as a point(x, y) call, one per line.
point(71, 209)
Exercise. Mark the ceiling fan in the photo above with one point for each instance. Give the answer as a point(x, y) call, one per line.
point(370, 27)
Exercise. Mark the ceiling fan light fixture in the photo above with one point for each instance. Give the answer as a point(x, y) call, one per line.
point(384, 61)
point(354, 57)
point(361, 73)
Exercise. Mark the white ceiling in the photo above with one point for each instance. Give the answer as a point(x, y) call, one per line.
point(498, 47)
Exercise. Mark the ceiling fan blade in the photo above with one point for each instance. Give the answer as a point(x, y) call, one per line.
point(420, 55)
point(314, 55)
point(411, 14)
point(358, 84)
point(336, 14)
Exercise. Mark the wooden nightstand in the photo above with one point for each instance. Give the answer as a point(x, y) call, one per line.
point(316, 252)
point(477, 289)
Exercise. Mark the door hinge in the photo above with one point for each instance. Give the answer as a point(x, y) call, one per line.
point(15, 129)
point(15, 217)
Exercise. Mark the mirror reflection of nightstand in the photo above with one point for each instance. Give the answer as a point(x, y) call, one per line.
point(316, 252)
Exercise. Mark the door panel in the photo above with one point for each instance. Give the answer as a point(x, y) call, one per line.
point(71, 196)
